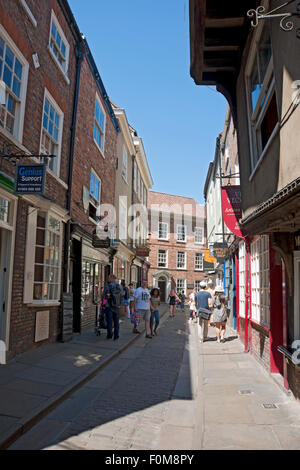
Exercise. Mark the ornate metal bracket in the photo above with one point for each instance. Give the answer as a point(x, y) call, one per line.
point(7, 152)
point(285, 24)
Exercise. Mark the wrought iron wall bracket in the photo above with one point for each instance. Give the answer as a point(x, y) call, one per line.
point(285, 23)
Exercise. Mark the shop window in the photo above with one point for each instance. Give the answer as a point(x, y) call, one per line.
point(260, 281)
point(242, 273)
point(47, 263)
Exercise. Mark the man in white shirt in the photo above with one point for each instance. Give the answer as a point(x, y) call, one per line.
point(142, 305)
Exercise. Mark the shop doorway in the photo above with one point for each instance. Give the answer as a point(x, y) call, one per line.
point(76, 284)
point(5, 246)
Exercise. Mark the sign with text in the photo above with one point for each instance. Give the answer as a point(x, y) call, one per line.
point(232, 208)
point(101, 242)
point(207, 256)
point(30, 179)
point(220, 251)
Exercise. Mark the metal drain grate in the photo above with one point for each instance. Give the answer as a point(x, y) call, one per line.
point(269, 406)
point(245, 392)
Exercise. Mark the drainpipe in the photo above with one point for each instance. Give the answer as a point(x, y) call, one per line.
point(80, 53)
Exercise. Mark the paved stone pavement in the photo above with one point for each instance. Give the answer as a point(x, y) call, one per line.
point(37, 380)
point(173, 393)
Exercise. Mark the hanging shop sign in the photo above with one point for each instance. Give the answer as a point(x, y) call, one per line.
point(30, 179)
point(232, 209)
point(100, 242)
point(208, 258)
point(142, 251)
point(220, 251)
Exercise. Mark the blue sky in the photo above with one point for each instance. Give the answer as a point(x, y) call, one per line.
point(141, 48)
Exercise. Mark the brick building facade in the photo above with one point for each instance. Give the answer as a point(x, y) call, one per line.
point(37, 77)
point(93, 187)
point(177, 240)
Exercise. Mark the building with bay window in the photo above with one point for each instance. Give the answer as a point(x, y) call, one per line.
point(177, 240)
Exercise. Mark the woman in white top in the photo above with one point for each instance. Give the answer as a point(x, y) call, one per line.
point(142, 305)
point(192, 305)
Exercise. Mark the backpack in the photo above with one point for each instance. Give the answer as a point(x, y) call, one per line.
point(115, 299)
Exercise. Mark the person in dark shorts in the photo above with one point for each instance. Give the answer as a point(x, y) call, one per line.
point(172, 303)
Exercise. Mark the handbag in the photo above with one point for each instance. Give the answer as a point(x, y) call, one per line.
point(204, 313)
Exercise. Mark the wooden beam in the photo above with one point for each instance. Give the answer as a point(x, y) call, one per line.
point(221, 48)
point(225, 22)
point(218, 69)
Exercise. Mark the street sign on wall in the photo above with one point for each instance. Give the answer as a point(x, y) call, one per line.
point(30, 179)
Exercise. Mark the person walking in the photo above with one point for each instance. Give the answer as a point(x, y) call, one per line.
point(211, 290)
point(220, 315)
point(182, 300)
point(203, 301)
point(126, 298)
point(142, 305)
point(192, 304)
point(154, 304)
point(172, 298)
point(113, 292)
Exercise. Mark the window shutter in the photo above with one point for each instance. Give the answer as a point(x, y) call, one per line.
point(30, 255)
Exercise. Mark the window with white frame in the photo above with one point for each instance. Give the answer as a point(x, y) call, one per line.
point(99, 125)
point(197, 285)
point(58, 45)
point(199, 235)
point(163, 231)
point(260, 281)
point(47, 264)
point(13, 85)
point(52, 127)
point(181, 233)
point(95, 195)
point(181, 260)
point(162, 259)
point(181, 286)
point(199, 262)
point(242, 276)
point(125, 165)
point(262, 103)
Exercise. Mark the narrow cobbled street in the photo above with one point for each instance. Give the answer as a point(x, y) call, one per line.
point(172, 392)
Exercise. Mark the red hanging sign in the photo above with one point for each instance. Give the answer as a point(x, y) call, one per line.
point(232, 209)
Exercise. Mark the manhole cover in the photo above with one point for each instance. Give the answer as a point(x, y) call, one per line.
point(245, 392)
point(269, 406)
